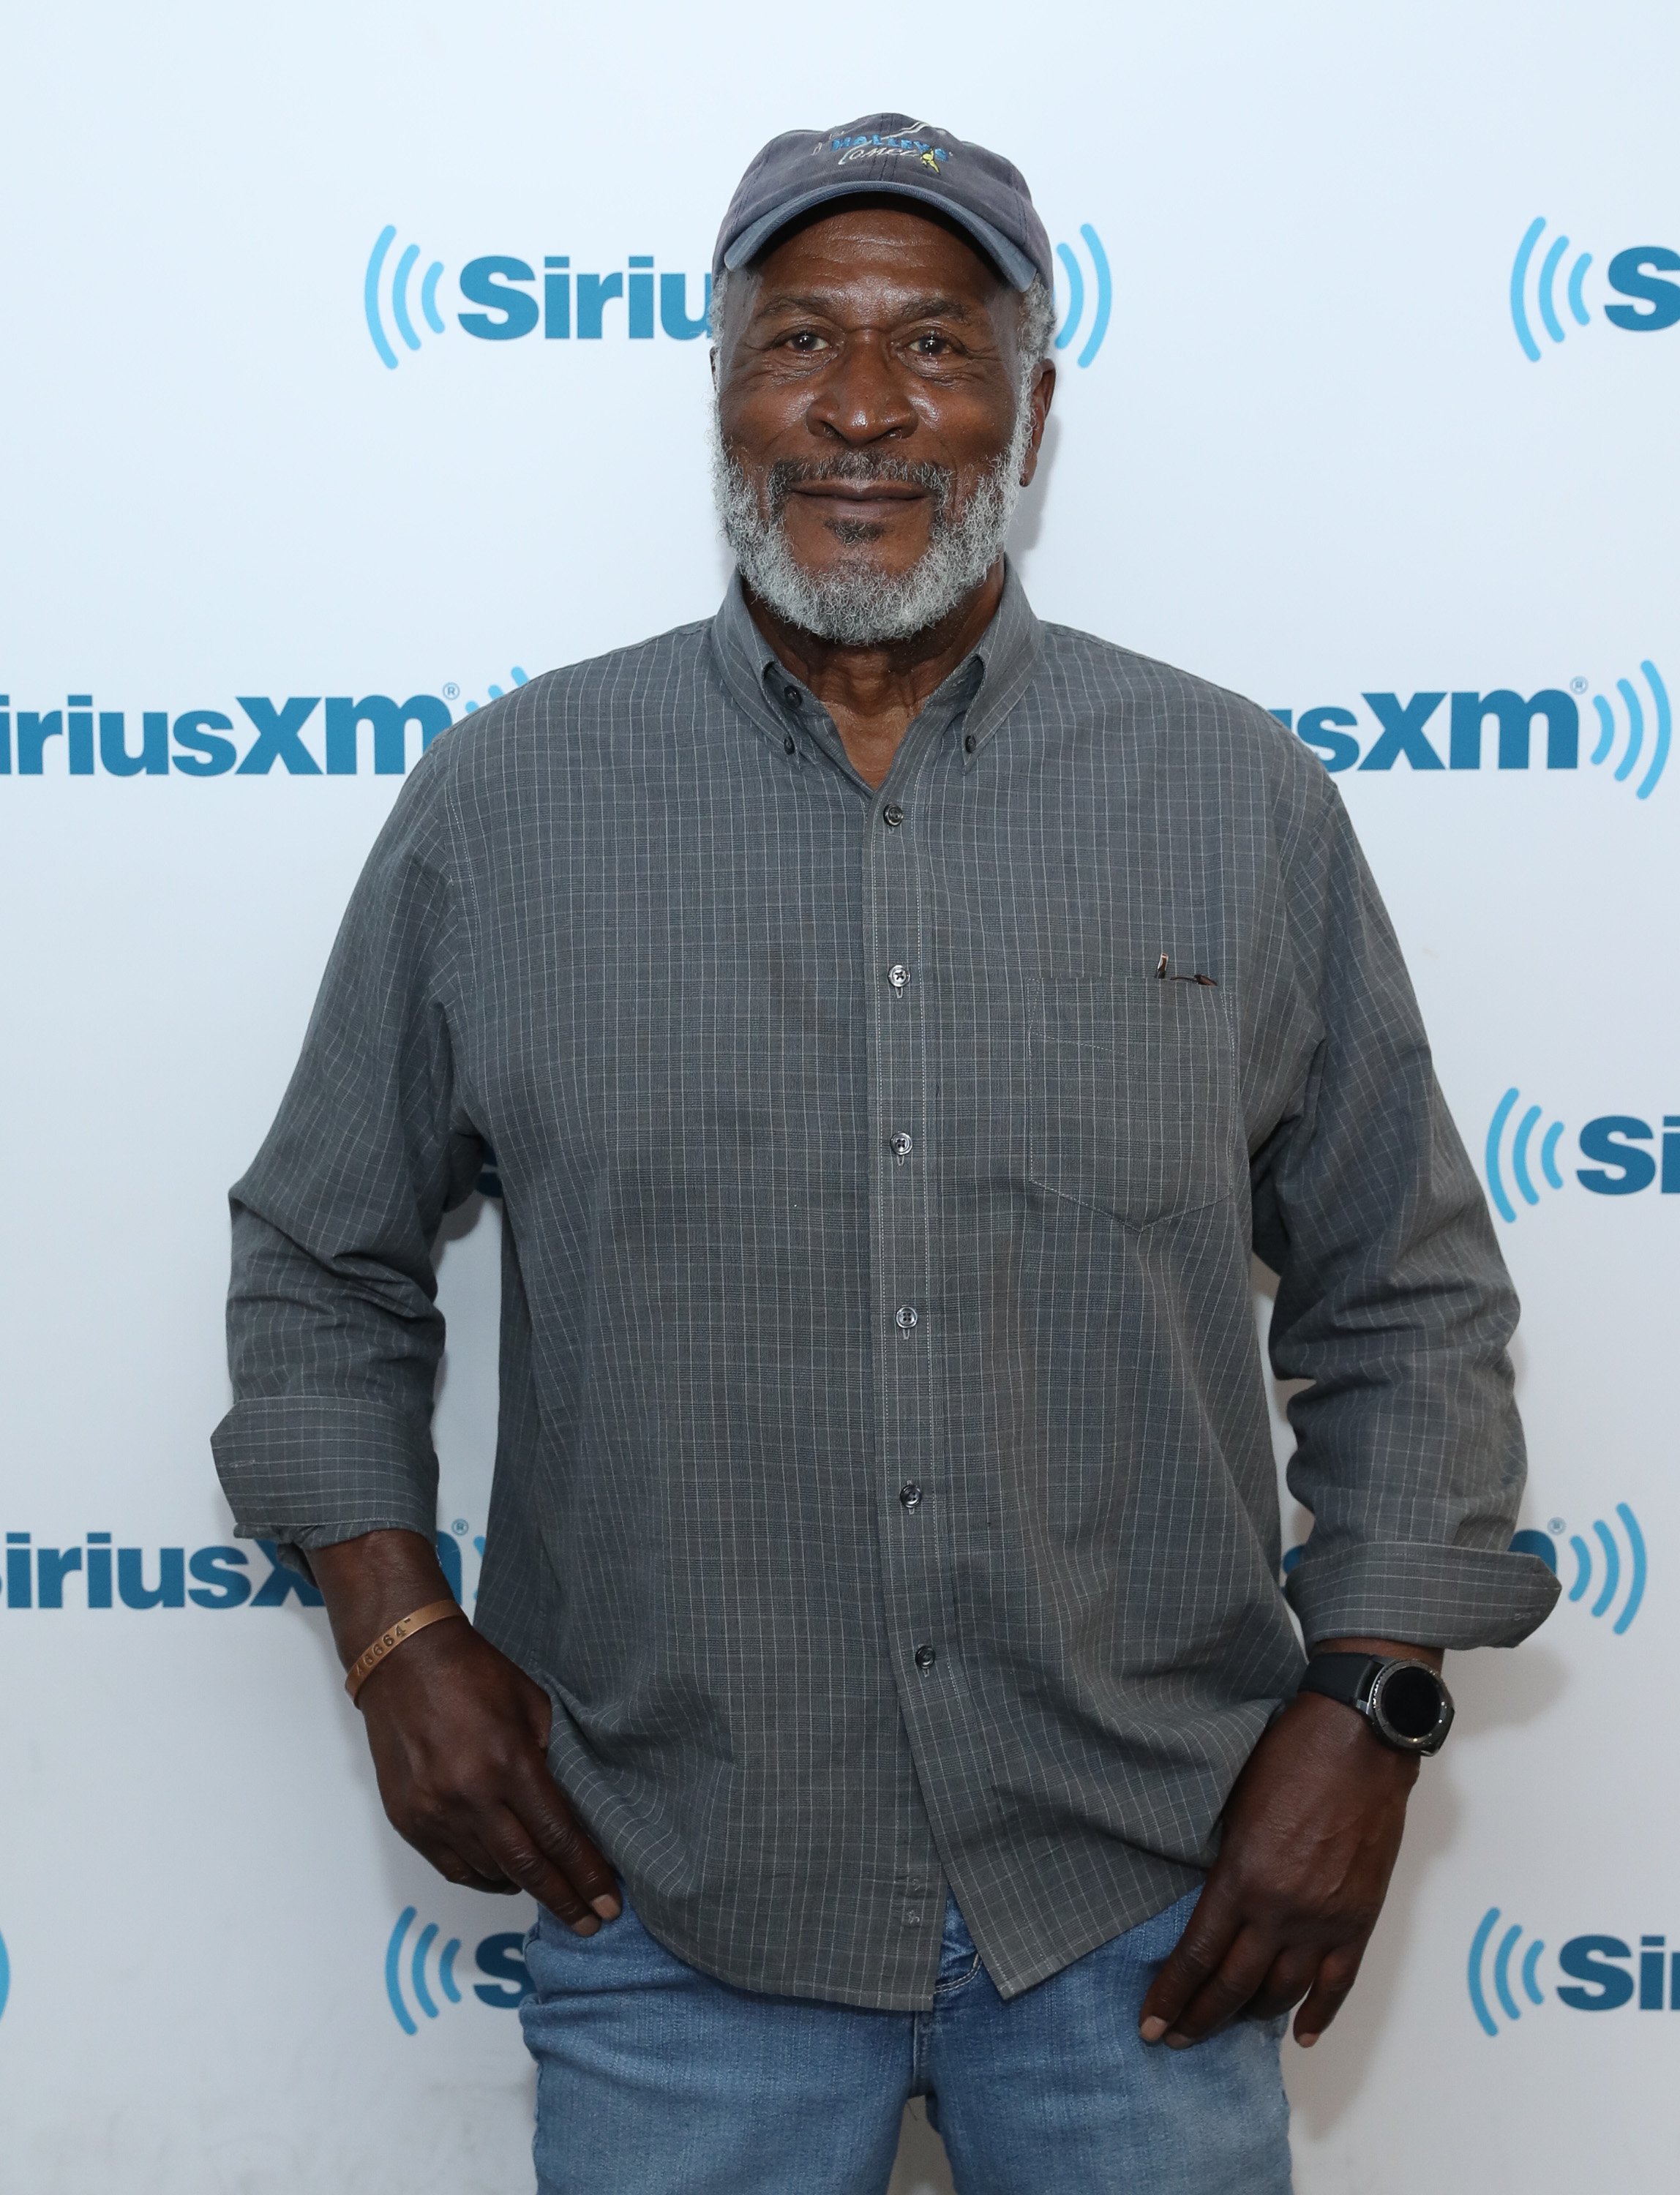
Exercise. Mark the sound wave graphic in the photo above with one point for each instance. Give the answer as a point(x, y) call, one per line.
point(417, 1970)
point(495, 692)
point(1519, 1156)
point(398, 296)
point(1603, 1560)
point(1635, 708)
point(1544, 297)
point(1074, 274)
point(1504, 1994)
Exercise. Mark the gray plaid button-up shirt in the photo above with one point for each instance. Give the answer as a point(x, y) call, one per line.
point(885, 1491)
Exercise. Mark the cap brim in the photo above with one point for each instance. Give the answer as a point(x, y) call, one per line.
point(1017, 269)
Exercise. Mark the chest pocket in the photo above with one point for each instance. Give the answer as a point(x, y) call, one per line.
point(1136, 1095)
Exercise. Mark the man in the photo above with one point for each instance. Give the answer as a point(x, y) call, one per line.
point(895, 1022)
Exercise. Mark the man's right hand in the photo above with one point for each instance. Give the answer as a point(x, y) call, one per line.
point(459, 1738)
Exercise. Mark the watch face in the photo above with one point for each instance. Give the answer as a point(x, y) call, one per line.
point(1411, 1703)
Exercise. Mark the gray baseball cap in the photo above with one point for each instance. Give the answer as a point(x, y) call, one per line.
point(889, 154)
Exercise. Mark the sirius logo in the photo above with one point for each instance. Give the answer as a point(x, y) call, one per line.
point(511, 299)
point(1075, 314)
point(106, 1576)
point(1411, 730)
point(500, 1958)
point(1613, 1141)
point(1600, 1970)
point(1603, 1564)
point(1636, 272)
point(208, 743)
point(97, 1575)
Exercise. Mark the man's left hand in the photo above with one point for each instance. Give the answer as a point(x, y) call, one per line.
point(1311, 1832)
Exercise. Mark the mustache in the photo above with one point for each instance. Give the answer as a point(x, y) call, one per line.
point(859, 468)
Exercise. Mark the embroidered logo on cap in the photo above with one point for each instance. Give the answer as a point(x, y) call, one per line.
point(859, 146)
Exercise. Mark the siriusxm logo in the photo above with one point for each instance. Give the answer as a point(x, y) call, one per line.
point(1414, 731)
point(509, 299)
point(304, 735)
point(1613, 1142)
point(1600, 1972)
point(1635, 273)
point(97, 1574)
point(1618, 1577)
point(209, 743)
point(500, 1959)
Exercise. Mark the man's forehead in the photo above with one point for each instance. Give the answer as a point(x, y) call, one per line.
point(872, 293)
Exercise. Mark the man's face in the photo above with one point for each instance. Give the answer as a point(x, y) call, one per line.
point(869, 384)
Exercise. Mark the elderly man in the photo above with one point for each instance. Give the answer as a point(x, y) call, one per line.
point(896, 1021)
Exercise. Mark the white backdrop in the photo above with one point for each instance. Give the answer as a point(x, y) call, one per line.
point(1311, 457)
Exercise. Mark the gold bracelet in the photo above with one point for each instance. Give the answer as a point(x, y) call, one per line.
point(388, 1641)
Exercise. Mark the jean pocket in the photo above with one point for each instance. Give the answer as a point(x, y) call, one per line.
point(1136, 1093)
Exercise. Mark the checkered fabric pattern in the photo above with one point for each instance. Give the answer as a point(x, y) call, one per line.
point(884, 1491)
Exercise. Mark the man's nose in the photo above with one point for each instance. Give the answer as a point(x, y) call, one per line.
point(862, 399)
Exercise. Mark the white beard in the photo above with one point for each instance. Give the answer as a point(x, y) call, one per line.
point(858, 605)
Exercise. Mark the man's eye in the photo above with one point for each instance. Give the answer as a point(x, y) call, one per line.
point(930, 345)
point(804, 340)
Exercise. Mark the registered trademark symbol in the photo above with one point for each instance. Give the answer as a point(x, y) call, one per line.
point(452, 692)
point(1556, 1525)
point(460, 1525)
point(1576, 686)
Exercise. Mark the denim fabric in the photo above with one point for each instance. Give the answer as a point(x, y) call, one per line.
point(655, 2079)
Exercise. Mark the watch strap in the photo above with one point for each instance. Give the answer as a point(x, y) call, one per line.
point(1344, 1677)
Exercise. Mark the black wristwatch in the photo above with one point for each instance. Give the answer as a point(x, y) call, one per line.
point(1404, 1703)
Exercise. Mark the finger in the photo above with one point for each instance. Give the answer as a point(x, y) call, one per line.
point(1335, 1977)
point(1226, 1991)
point(514, 1853)
point(468, 1867)
point(1291, 1976)
point(540, 1804)
point(1208, 1933)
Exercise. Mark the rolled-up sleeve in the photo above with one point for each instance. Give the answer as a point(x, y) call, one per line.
point(333, 1332)
point(1394, 1301)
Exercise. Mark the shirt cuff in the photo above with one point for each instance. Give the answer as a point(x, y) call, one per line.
point(308, 1471)
point(1421, 1593)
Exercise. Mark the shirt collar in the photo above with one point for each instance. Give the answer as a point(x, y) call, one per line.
point(991, 678)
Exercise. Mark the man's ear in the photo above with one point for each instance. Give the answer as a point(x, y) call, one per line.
point(1039, 396)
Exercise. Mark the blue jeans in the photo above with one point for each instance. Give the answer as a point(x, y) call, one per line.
point(655, 2079)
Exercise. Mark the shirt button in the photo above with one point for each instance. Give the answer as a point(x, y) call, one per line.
point(913, 1919)
point(892, 814)
point(787, 746)
point(906, 1316)
point(898, 975)
point(925, 1658)
point(968, 744)
point(901, 1144)
point(792, 697)
point(911, 1494)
